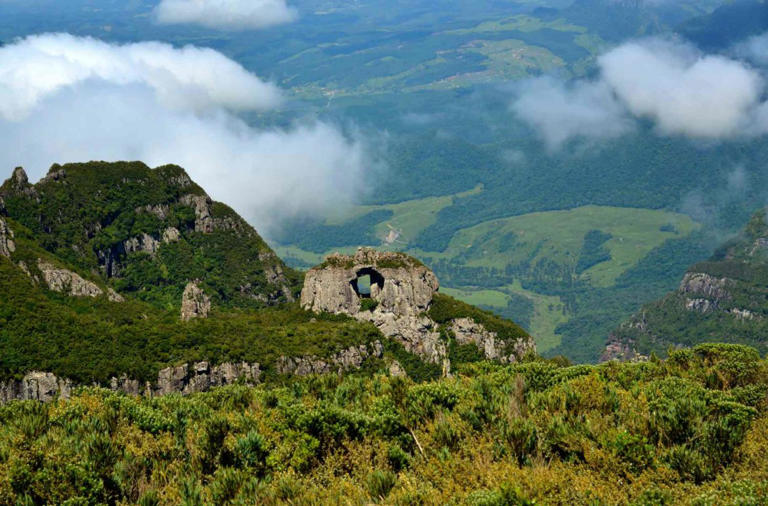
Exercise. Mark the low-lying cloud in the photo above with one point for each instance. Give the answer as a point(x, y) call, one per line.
point(562, 111)
point(158, 104)
point(679, 89)
point(225, 14)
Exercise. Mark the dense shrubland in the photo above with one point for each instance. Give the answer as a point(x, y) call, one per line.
point(691, 429)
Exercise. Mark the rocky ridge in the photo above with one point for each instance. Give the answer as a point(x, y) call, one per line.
point(190, 378)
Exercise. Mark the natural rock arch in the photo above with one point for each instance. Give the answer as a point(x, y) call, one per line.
point(375, 283)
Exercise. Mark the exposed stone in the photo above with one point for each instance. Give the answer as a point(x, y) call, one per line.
point(401, 287)
point(23, 266)
point(7, 245)
point(35, 386)
point(407, 286)
point(616, 349)
point(71, 283)
point(171, 234)
point(202, 206)
point(704, 285)
point(700, 305)
point(125, 385)
point(345, 360)
point(56, 174)
point(742, 314)
point(114, 296)
point(160, 210)
point(201, 377)
point(143, 243)
point(194, 303)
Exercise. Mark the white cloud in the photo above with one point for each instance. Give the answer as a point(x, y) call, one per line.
point(225, 14)
point(185, 78)
point(683, 91)
point(97, 103)
point(754, 49)
point(560, 112)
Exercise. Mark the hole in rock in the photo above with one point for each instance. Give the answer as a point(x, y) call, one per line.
point(367, 282)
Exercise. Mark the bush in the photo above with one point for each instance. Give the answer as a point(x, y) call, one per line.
point(380, 483)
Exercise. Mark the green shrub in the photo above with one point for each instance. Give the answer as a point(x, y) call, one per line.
point(380, 483)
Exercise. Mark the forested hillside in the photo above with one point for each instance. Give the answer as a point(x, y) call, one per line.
point(722, 299)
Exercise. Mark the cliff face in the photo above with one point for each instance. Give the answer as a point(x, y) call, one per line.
point(395, 293)
point(723, 299)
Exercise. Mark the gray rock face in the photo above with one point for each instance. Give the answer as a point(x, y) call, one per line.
point(71, 283)
point(194, 303)
point(405, 287)
point(7, 245)
point(144, 242)
point(201, 377)
point(35, 386)
point(202, 206)
point(345, 360)
point(700, 305)
point(171, 234)
point(401, 288)
point(160, 210)
point(704, 285)
point(467, 331)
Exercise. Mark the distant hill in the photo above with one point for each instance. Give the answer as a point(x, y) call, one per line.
point(724, 299)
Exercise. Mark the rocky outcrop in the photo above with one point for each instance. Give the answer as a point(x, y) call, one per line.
point(201, 377)
point(162, 211)
point(345, 360)
point(194, 303)
point(400, 284)
point(705, 286)
point(171, 234)
point(401, 290)
point(7, 245)
point(468, 331)
point(35, 386)
point(188, 379)
point(71, 283)
point(143, 243)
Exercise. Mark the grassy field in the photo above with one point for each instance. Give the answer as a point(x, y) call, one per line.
point(548, 311)
point(521, 23)
point(559, 236)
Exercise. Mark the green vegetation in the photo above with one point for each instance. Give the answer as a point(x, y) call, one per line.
point(736, 310)
point(112, 218)
point(445, 308)
point(688, 430)
point(93, 339)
